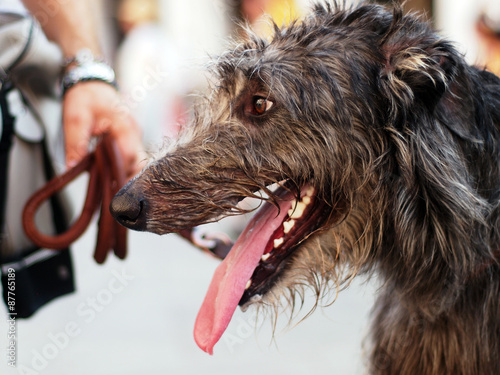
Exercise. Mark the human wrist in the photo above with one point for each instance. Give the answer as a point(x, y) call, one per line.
point(84, 67)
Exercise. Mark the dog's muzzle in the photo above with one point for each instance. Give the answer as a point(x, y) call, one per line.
point(128, 207)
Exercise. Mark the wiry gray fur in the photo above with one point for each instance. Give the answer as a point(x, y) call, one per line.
point(400, 136)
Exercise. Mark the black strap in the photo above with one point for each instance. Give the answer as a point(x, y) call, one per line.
point(59, 215)
point(5, 146)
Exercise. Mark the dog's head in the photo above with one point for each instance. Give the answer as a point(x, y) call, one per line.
point(318, 111)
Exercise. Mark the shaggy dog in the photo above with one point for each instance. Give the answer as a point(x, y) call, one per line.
point(384, 145)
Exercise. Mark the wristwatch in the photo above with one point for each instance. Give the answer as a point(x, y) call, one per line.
point(88, 68)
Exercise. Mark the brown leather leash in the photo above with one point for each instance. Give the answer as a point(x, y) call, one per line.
point(106, 177)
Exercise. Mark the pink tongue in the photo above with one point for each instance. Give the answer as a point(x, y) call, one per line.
point(230, 278)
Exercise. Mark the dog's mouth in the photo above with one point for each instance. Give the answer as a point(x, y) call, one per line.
point(258, 259)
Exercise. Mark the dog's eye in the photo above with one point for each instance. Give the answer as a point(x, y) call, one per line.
point(261, 105)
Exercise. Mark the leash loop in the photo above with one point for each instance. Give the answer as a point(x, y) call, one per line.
point(106, 177)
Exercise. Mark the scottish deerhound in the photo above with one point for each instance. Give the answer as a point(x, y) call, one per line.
point(385, 148)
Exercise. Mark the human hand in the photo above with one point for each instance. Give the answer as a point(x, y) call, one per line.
point(94, 108)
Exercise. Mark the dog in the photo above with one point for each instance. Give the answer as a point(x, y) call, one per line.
point(374, 149)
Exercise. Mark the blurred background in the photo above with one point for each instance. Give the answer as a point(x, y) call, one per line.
point(136, 316)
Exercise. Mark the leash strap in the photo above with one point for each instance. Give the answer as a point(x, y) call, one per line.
point(106, 177)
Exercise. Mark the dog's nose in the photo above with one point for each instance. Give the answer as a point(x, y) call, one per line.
point(129, 210)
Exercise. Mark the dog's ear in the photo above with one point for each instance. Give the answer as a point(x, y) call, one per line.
point(417, 65)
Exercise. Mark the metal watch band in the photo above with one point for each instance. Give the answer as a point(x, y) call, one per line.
point(89, 71)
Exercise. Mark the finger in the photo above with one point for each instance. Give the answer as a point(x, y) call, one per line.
point(77, 131)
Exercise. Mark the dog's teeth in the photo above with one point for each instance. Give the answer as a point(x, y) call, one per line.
point(265, 257)
point(310, 191)
point(249, 283)
point(296, 211)
point(306, 200)
point(278, 242)
point(288, 225)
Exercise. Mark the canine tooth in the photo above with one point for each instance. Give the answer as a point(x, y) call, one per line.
point(296, 211)
point(310, 191)
point(249, 283)
point(306, 200)
point(288, 225)
point(265, 257)
point(278, 242)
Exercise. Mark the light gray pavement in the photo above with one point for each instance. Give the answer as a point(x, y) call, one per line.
point(136, 317)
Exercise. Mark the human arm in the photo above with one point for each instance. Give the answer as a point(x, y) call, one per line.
point(90, 108)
